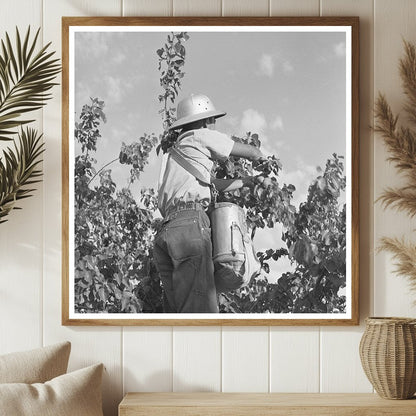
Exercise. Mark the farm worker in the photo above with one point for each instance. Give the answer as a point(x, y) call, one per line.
point(183, 248)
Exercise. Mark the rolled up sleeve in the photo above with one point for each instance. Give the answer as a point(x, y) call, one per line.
point(219, 144)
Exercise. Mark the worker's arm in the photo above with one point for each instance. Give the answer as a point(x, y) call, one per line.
point(246, 151)
point(227, 185)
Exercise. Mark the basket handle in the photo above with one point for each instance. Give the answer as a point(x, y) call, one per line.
point(235, 225)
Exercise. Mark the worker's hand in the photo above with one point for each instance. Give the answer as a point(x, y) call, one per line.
point(257, 155)
point(263, 181)
point(249, 181)
point(261, 162)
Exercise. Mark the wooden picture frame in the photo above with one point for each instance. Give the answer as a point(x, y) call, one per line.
point(314, 77)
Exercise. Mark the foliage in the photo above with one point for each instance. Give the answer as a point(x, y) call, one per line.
point(20, 170)
point(315, 239)
point(267, 203)
point(137, 154)
point(171, 63)
point(113, 233)
point(86, 131)
point(25, 79)
point(401, 142)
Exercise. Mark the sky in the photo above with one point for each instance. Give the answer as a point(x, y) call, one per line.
point(289, 87)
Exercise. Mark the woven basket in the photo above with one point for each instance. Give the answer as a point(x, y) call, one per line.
point(388, 356)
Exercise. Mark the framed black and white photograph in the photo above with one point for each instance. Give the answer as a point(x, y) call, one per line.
point(210, 171)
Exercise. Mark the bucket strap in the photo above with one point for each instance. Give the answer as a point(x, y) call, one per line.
point(180, 159)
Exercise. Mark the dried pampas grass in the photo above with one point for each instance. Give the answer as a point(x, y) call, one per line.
point(401, 143)
point(405, 255)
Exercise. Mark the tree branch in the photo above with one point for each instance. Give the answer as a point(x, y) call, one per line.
point(107, 164)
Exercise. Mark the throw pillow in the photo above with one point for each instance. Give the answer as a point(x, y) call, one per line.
point(35, 366)
point(73, 394)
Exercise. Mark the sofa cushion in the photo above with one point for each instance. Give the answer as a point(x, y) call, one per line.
point(35, 366)
point(73, 394)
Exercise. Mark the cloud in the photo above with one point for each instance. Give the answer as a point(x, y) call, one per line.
point(114, 88)
point(82, 96)
point(91, 45)
point(301, 178)
point(277, 124)
point(119, 57)
point(253, 121)
point(231, 121)
point(266, 65)
point(339, 50)
point(287, 66)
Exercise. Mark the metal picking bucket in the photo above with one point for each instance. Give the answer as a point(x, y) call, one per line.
point(235, 261)
point(229, 226)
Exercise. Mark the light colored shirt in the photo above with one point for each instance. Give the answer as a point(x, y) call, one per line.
point(200, 148)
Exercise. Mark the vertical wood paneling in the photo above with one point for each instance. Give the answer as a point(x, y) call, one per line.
point(20, 13)
point(82, 8)
point(294, 8)
point(196, 359)
point(245, 8)
point(147, 359)
point(245, 359)
point(347, 375)
point(294, 360)
point(394, 21)
point(341, 370)
point(147, 7)
point(89, 345)
point(197, 8)
point(21, 237)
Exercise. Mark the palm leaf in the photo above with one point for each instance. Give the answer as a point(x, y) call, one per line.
point(19, 169)
point(25, 79)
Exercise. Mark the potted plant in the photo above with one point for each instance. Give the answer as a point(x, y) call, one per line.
point(388, 346)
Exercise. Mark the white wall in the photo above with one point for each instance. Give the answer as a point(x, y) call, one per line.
point(261, 359)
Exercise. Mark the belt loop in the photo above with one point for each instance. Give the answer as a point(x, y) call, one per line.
point(182, 206)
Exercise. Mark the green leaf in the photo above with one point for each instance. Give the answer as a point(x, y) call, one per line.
point(19, 170)
point(25, 79)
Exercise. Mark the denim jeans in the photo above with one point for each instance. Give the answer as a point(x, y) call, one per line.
point(183, 255)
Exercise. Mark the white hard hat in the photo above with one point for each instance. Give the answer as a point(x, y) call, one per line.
point(193, 108)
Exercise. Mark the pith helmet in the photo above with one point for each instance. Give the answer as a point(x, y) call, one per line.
point(193, 108)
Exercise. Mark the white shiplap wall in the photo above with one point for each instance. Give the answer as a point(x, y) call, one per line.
point(246, 359)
